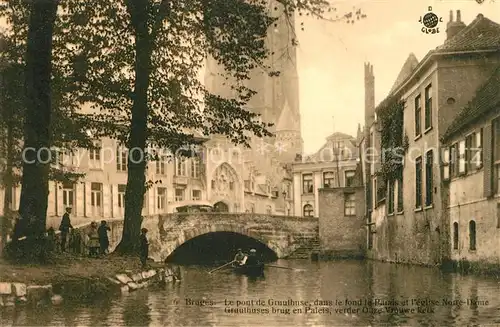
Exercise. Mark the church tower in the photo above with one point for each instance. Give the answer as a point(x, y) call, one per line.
point(277, 98)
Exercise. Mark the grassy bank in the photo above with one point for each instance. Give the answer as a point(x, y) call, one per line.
point(67, 267)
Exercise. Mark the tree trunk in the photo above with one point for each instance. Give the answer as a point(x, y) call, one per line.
point(8, 181)
point(136, 183)
point(34, 192)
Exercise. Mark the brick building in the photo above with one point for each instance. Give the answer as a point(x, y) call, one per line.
point(341, 221)
point(471, 177)
point(405, 217)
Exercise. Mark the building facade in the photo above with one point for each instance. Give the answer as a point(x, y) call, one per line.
point(406, 218)
point(333, 166)
point(471, 177)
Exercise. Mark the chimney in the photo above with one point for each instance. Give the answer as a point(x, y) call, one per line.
point(369, 95)
point(454, 27)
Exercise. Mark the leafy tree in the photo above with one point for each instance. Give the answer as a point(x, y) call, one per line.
point(18, 121)
point(34, 192)
point(140, 62)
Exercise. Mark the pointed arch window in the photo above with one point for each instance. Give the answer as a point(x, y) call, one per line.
point(308, 210)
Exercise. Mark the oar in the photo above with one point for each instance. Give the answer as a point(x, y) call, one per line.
point(221, 267)
point(274, 266)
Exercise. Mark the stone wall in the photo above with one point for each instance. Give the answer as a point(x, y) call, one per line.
point(341, 235)
point(17, 294)
point(467, 204)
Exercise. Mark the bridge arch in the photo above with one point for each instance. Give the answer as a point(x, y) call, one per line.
point(200, 230)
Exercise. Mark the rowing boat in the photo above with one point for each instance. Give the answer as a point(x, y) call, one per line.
point(249, 270)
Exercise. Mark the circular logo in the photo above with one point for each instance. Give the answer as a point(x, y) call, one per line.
point(430, 20)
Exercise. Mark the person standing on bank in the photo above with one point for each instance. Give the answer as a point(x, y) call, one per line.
point(144, 247)
point(103, 237)
point(64, 227)
point(93, 244)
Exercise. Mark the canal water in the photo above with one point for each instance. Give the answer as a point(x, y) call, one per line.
point(339, 293)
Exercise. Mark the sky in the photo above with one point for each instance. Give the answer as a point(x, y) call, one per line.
point(330, 58)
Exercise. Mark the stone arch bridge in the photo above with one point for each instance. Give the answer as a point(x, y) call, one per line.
point(281, 234)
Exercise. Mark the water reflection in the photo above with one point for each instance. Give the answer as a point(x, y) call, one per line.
point(353, 281)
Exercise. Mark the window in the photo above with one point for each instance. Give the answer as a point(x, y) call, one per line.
point(160, 165)
point(461, 157)
point(455, 236)
point(231, 185)
point(269, 210)
point(179, 194)
point(121, 159)
point(308, 210)
point(429, 187)
point(121, 195)
point(195, 167)
point(478, 153)
point(496, 153)
point(472, 235)
point(418, 182)
point(349, 178)
point(390, 202)
point(180, 166)
point(350, 204)
point(428, 107)
point(446, 164)
point(161, 198)
point(95, 153)
point(307, 183)
point(453, 160)
point(68, 194)
point(498, 215)
point(418, 116)
point(400, 194)
point(470, 149)
point(96, 198)
point(328, 179)
point(497, 174)
point(196, 195)
point(375, 194)
point(252, 207)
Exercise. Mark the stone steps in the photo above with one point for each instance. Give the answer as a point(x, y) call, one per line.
point(306, 250)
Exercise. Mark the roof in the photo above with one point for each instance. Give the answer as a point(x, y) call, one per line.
point(482, 34)
point(486, 99)
point(405, 72)
point(339, 135)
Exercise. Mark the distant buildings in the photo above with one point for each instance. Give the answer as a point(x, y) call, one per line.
point(333, 166)
point(438, 203)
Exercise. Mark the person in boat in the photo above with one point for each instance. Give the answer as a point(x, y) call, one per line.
point(252, 259)
point(240, 257)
